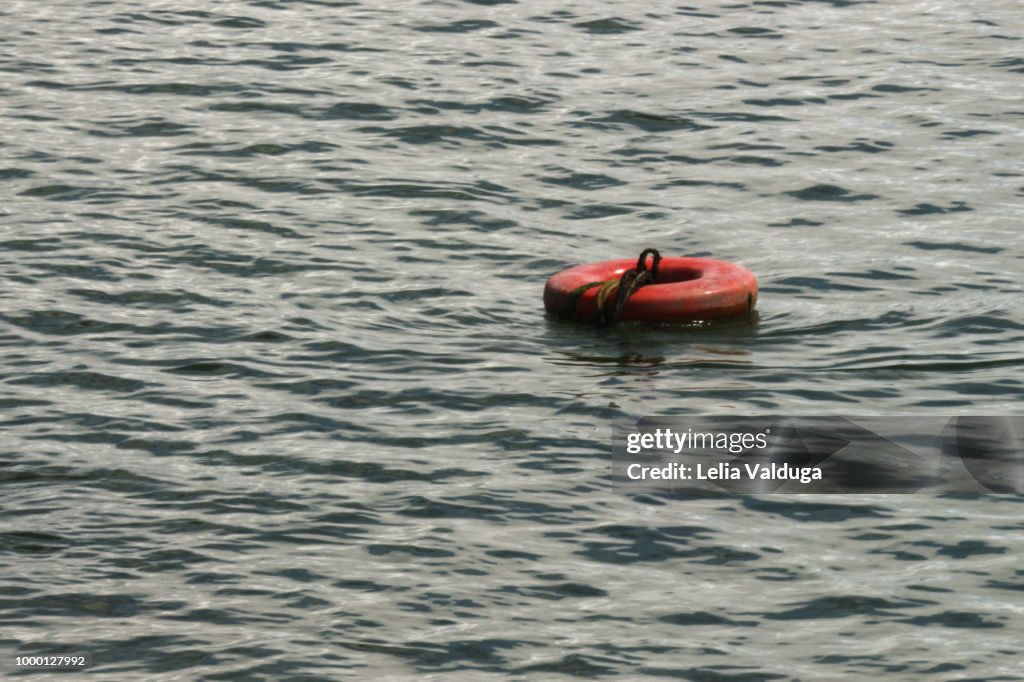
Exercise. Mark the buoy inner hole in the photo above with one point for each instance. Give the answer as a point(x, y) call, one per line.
point(667, 274)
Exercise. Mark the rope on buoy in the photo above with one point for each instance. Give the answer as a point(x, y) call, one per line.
point(624, 287)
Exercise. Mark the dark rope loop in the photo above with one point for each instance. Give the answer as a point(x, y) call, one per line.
point(626, 286)
point(641, 262)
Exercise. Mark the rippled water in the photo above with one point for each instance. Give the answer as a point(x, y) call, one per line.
point(280, 400)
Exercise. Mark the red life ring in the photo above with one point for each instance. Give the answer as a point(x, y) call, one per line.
point(687, 290)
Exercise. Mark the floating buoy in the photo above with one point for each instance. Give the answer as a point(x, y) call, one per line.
point(673, 289)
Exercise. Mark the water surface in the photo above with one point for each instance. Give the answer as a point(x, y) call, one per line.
point(280, 400)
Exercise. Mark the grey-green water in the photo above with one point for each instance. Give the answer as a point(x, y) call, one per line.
point(280, 400)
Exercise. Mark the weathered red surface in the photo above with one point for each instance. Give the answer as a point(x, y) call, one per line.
point(688, 290)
